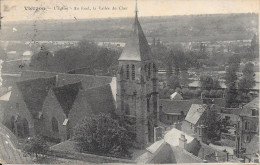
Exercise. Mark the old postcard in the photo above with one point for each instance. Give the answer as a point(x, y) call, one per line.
point(133, 81)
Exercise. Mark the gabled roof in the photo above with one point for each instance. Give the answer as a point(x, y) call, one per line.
point(66, 95)
point(34, 93)
point(136, 48)
point(100, 99)
point(195, 112)
point(176, 106)
point(247, 109)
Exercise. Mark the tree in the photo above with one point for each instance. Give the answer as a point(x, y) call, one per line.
point(100, 134)
point(35, 145)
point(214, 124)
point(84, 55)
point(174, 82)
point(248, 80)
point(209, 83)
point(231, 80)
point(206, 82)
point(42, 61)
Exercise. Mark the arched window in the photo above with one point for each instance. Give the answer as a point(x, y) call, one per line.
point(13, 124)
point(55, 125)
point(154, 67)
point(149, 71)
point(127, 71)
point(25, 128)
point(133, 72)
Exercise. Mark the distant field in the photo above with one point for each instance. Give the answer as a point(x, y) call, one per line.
point(217, 27)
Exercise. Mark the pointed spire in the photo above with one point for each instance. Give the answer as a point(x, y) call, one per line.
point(136, 48)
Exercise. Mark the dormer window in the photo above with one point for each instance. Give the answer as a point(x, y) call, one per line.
point(253, 112)
point(127, 71)
point(133, 72)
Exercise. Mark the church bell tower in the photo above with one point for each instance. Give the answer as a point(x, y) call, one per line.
point(137, 87)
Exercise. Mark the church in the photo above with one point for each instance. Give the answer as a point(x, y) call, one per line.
point(52, 104)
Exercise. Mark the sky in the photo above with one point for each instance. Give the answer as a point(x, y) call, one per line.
point(18, 10)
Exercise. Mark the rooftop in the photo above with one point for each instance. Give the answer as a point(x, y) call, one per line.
point(195, 112)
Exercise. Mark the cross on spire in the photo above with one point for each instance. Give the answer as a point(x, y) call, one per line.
point(136, 10)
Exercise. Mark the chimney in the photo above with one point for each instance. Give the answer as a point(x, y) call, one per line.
point(182, 141)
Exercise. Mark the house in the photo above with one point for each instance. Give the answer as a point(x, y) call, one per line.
point(230, 115)
point(172, 111)
point(249, 129)
point(195, 121)
point(180, 147)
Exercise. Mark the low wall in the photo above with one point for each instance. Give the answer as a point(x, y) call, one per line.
point(90, 158)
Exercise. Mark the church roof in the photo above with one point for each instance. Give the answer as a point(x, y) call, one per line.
point(88, 81)
point(136, 48)
point(100, 99)
point(66, 95)
point(34, 93)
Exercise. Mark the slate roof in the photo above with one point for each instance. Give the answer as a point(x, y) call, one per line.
point(66, 95)
point(100, 99)
point(88, 81)
point(247, 109)
point(34, 93)
point(183, 156)
point(253, 146)
point(195, 112)
point(136, 48)
point(176, 106)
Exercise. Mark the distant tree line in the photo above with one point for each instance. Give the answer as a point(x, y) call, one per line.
point(85, 55)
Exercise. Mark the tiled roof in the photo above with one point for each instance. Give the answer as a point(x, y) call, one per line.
point(88, 81)
point(34, 93)
point(136, 48)
point(100, 99)
point(195, 112)
point(176, 106)
point(66, 95)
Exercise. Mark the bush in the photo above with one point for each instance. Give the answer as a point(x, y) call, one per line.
point(35, 146)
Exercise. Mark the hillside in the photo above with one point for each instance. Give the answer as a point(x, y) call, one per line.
point(169, 28)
